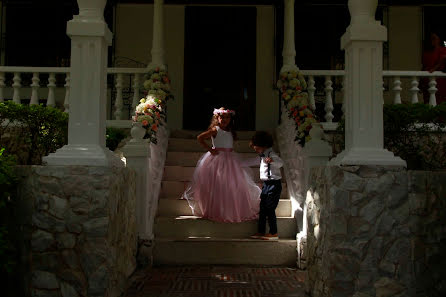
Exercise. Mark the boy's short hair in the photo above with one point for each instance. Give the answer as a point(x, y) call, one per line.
point(263, 139)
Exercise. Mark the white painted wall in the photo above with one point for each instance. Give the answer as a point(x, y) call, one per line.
point(267, 103)
point(405, 35)
point(133, 39)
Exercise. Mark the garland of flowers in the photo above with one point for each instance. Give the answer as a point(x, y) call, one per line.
point(151, 111)
point(292, 86)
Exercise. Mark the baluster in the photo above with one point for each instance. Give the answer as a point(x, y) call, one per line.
point(328, 99)
point(2, 86)
point(66, 102)
point(135, 91)
point(119, 103)
point(397, 89)
point(414, 89)
point(384, 89)
point(311, 90)
point(432, 90)
point(344, 94)
point(16, 85)
point(51, 101)
point(35, 89)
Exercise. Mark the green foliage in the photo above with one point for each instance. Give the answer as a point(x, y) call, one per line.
point(8, 183)
point(32, 131)
point(113, 137)
point(414, 132)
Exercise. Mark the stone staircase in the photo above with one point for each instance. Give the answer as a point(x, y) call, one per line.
point(181, 238)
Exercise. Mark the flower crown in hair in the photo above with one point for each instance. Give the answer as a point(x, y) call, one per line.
point(220, 111)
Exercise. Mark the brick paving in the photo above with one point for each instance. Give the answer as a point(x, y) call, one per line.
point(217, 281)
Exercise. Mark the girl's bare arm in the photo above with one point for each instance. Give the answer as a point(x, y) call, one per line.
point(207, 135)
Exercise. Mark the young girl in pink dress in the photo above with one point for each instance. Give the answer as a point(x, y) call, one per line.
point(221, 190)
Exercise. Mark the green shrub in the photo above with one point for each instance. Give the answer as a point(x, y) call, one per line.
point(414, 132)
point(113, 137)
point(32, 131)
point(8, 183)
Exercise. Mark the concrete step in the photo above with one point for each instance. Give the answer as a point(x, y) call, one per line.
point(191, 226)
point(224, 251)
point(180, 207)
point(191, 158)
point(175, 189)
point(185, 173)
point(192, 145)
point(241, 135)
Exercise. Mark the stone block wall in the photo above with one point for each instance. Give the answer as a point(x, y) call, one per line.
point(79, 227)
point(376, 231)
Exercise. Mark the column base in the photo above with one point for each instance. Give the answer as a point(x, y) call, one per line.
point(367, 157)
point(86, 155)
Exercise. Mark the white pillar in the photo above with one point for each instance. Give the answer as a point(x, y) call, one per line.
point(362, 42)
point(90, 38)
point(289, 51)
point(137, 154)
point(158, 36)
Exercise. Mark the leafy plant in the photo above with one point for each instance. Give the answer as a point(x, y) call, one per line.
point(8, 182)
point(32, 131)
point(113, 137)
point(414, 132)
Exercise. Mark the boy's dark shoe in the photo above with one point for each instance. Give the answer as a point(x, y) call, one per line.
point(270, 236)
point(257, 236)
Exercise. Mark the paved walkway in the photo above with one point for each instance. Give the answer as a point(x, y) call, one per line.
point(217, 281)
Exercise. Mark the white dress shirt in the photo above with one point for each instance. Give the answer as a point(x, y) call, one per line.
point(271, 172)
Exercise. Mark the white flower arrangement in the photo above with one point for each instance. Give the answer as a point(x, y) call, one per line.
point(292, 86)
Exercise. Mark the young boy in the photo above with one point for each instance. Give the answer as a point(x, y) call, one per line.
point(270, 164)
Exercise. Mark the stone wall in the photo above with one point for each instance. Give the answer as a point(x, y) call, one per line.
point(79, 225)
point(376, 231)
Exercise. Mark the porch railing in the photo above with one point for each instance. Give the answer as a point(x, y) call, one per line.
point(51, 86)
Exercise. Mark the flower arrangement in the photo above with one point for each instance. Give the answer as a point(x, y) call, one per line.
point(292, 86)
point(151, 110)
point(150, 114)
point(157, 84)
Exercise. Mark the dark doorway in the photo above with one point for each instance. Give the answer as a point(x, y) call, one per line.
point(219, 65)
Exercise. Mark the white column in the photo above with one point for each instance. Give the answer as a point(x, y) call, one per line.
point(289, 51)
point(90, 38)
point(137, 154)
point(362, 42)
point(157, 51)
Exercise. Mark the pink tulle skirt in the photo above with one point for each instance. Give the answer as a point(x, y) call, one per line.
point(221, 190)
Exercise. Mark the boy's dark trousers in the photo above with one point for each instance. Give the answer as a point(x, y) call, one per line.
point(269, 198)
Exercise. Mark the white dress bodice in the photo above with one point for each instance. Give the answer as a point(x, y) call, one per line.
point(223, 139)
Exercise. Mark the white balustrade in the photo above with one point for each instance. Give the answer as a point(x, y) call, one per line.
point(328, 99)
point(414, 90)
point(397, 89)
point(119, 103)
point(311, 89)
point(413, 77)
point(16, 85)
point(432, 90)
point(51, 101)
point(135, 91)
point(35, 89)
point(66, 102)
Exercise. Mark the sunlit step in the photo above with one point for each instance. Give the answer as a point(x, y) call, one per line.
point(175, 189)
point(228, 251)
point(178, 207)
point(187, 226)
point(185, 173)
